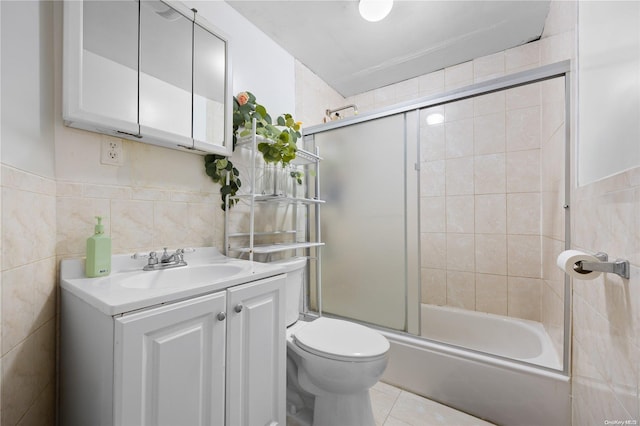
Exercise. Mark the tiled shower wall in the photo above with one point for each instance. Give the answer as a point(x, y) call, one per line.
point(481, 199)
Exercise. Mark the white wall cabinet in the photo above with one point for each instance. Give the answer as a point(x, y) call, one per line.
point(150, 71)
point(216, 359)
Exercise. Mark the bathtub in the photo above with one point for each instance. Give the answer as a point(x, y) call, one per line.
point(493, 388)
point(495, 334)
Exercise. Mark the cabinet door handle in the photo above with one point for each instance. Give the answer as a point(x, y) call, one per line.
point(221, 316)
point(238, 308)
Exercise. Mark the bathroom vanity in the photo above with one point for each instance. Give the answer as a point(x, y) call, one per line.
point(202, 344)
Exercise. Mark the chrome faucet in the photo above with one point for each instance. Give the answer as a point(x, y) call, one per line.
point(176, 257)
point(166, 261)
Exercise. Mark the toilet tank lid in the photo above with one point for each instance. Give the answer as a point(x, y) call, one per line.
point(341, 338)
point(291, 264)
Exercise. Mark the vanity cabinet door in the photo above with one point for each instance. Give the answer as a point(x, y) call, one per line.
point(170, 364)
point(101, 65)
point(256, 354)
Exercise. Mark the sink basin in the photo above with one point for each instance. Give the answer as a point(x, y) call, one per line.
point(181, 276)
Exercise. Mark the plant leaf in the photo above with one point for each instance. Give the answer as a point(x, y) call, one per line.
point(261, 110)
point(290, 122)
point(222, 164)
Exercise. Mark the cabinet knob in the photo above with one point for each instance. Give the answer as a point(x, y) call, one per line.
point(221, 316)
point(238, 308)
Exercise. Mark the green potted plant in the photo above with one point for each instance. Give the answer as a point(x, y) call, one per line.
point(280, 147)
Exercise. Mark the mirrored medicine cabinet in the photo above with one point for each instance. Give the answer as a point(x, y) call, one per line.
point(148, 70)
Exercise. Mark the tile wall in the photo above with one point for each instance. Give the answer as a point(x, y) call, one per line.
point(28, 312)
point(552, 210)
point(606, 311)
point(481, 199)
point(313, 97)
point(144, 213)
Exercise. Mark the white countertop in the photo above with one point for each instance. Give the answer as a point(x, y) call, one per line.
point(115, 294)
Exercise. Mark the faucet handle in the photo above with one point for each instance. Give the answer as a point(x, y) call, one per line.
point(142, 255)
point(185, 250)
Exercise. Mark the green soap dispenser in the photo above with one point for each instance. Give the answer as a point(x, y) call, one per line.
point(98, 263)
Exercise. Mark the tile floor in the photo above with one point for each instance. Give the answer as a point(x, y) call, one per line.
point(396, 407)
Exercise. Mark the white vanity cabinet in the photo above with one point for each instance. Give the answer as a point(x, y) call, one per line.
point(169, 364)
point(151, 71)
point(214, 359)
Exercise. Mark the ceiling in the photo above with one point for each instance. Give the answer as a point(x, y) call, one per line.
point(354, 56)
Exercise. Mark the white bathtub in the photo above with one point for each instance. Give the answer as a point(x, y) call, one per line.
point(496, 389)
point(495, 334)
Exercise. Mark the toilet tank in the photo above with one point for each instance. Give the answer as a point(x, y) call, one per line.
point(294, 268)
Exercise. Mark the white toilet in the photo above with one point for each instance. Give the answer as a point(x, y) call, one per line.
point(331, 364)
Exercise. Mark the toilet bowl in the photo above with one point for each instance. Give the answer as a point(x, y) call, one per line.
point(331, 363)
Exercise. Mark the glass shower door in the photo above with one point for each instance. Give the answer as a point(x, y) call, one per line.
point(363, 221)
point(449, 214)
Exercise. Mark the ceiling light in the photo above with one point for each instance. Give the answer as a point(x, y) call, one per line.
point(435, 118)
point(375, 10)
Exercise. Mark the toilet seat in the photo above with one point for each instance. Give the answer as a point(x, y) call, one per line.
point(341, 340)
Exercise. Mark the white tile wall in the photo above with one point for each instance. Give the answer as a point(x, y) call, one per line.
point(606, 311)
point(27, 314)
point(314, 97)
point(481, 185)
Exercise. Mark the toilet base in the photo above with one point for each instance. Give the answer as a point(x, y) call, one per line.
point(345, 410)
point(303, 417)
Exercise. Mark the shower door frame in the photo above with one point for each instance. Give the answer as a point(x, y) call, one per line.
point(547, 72)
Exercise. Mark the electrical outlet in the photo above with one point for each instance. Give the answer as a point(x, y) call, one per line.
point(111, 151)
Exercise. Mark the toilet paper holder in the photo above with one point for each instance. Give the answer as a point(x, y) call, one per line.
point(618, 267)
